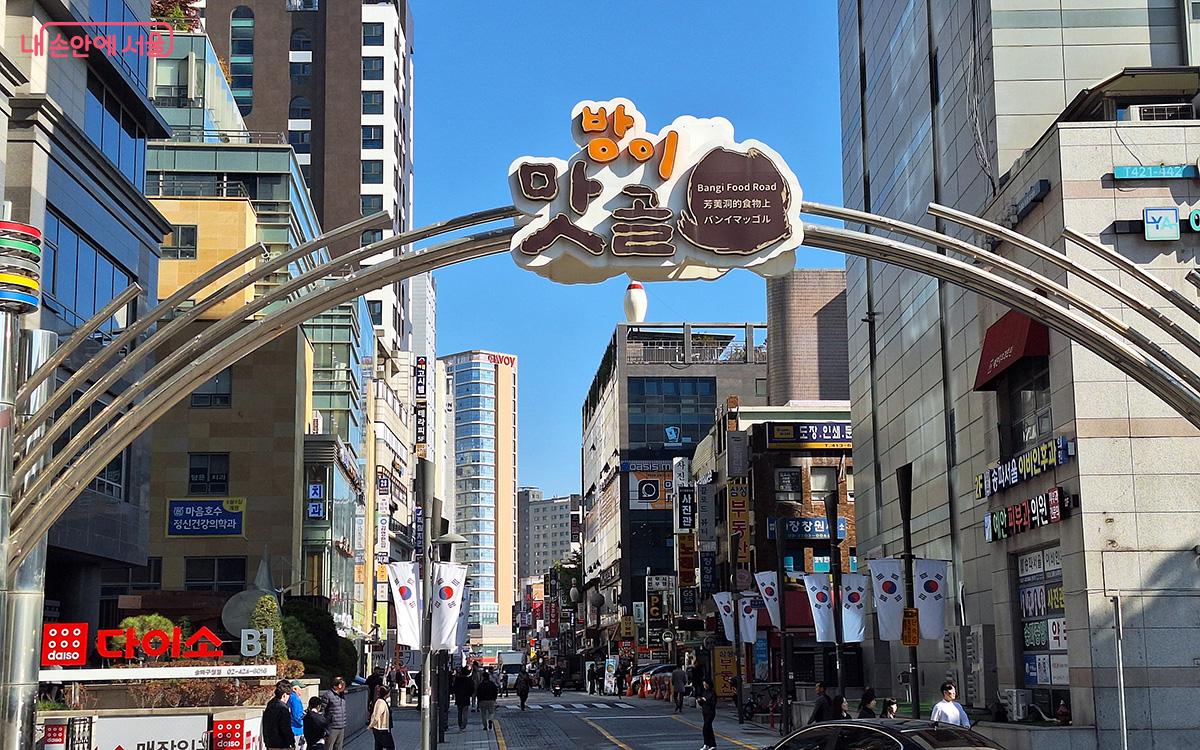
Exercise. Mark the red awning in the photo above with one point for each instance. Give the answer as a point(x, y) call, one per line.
point(798, 613)
point(1006, 342)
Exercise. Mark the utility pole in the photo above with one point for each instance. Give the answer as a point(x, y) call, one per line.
point(735, 544)
point(425, 498)
point(785, 644)
point(835, 570)
point(904, 490)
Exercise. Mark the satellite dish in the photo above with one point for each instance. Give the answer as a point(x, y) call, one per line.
point(235, 616)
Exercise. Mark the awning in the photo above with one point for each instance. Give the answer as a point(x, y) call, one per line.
point(1007, 341)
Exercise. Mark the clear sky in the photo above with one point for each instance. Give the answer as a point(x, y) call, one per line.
point(497, 79)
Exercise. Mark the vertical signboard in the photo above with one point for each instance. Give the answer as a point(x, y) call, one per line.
point(418, 532)
point(686, 559)
point(706, 516)
point(739, 516)
point(1043, 617)
point(420, 379)
point(724, 671)
point(737, 454)
point(685, 509)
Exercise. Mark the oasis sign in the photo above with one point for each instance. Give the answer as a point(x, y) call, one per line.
point(688, 202)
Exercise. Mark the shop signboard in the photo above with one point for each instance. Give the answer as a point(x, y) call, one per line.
point(195, 516)
point(178, 732)
point(420, 381)
point(1040, 510)
point(687, 600)
point(807, 527)
point(685, 509)
point(724, 671)
point(651, 484)
point(706, 516)
point(1048, 454)
point(823, 435)
point(708, 571)
point(1043, 625)
point(686, 559)
point(738, 491)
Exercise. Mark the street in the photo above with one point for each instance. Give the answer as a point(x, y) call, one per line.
point(584, 722)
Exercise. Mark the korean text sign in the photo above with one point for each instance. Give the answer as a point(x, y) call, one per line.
point(206, 516)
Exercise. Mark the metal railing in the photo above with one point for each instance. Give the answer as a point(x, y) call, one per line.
point(186, 134)
point(194, 187)
point(672, 352)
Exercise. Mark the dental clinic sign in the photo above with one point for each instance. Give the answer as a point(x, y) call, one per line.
point(687, 202)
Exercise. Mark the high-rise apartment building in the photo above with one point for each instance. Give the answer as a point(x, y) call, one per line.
point(485, 491)
point(546, 528)
point(1022, 113)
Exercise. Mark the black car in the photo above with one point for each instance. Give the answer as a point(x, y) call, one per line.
point(885, 734)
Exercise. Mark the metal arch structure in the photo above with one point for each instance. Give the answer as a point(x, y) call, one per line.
point(51, 484)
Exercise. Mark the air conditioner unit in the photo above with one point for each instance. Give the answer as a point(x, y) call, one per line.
point(1159, 112)
point(1017, 702)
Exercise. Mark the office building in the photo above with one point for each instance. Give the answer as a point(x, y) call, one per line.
point(74, 133)
point(653, 398)
point(485, 487)
point(545, 529)
point(1030, 118)
point(806, 325)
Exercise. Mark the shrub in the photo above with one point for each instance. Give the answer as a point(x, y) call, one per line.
point(142, 624)
point(301, 644)
point(266, 617)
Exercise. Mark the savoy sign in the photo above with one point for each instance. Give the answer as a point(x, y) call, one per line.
point(688, 202)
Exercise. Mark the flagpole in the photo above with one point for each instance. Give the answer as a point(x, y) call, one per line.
point(735, 546)
point(424, 498)
point(785, 655)
point(904, 490)
point(835, 570)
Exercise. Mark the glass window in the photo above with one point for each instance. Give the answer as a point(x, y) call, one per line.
point(1026, 407)
point(300, 108)
point(301, 41)
point(952, 738)
point(214, 573)
point(856, 738)
point(824, 482)
point(241, 57)
point(375, 310)
point(813, 739)
point(301, 141)
point(93, 117)
point(372, 34)
point(180, 244)
point(299, 70)
point(372, 136)
point(372, 68)
point(370, 236)
point(216, 393)
point(371, 204)
point(372, 102)
point(208, 473)
point(372, 172)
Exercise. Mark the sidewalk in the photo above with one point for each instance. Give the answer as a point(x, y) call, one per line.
point(406, 729)
point(749, 735)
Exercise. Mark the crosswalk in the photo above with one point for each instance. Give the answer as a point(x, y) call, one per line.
point(567, 706)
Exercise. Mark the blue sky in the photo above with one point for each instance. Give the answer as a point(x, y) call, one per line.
point(497, 80)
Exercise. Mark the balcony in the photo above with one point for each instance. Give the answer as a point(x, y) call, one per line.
point(672, 352)
point(185, 134)
point(169, 186)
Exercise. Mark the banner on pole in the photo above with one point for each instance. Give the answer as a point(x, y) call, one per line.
point(929, 586)
point(820, 598)
point(724, 602)
point(448, 580)
point(768, 588)
point(406, 594)
point(854, 607)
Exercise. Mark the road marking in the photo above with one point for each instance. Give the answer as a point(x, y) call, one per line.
point(606, 734)
point(559, 706)
point(739, 743)
point(499, 736)
point(602, 705)
point(579, 705)
point(623, 705)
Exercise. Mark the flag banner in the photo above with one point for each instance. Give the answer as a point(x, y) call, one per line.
point(448, 580)
point(724, 602)
point(749, 623)
point(887, 580)
point(931, 586)
point(854, 607)
point(463, 624)
point(768, 588)
point(820, 598)
point(405, 583)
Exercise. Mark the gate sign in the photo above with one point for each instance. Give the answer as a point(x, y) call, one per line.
point(686, 203)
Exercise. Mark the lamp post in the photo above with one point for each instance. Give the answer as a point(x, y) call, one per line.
point(835, 570)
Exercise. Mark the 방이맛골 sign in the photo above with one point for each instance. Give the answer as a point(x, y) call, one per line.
point(688, 202)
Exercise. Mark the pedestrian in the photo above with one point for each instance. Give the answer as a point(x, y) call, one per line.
point(464, 690)
point(866, 706)
point(707, 700)
point(296, 708)
point(277, 719)
point(476, 678)
point(678, 685)
point(822, 706)
point(487, 702)
point(374, 682)
point(523, 687)
point(841, 708)
point(381, 721)
point(890, 706)
point(316, 724)
point(621, 672)
point(335, 709)
point(504, 684)
point(697, 681)
point(948, 710)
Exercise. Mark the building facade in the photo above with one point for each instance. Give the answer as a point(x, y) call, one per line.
point(546, 530)
point(990, 101)
point(806, 325)
point(485, 491)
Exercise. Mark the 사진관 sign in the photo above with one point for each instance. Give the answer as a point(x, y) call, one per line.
point(689, 202)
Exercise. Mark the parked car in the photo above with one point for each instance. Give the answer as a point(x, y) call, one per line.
point(654, 675)
point(641, 670)
point(885, 734)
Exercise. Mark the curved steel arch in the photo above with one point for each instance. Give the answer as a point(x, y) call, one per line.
point(1131, 351)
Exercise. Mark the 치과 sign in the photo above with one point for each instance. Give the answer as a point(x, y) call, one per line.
point(687, 202)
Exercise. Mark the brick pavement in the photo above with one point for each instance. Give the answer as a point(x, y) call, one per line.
point(406, 729)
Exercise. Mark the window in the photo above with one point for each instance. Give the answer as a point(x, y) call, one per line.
point(208, 473)
point(301, 141)
point(824, 483)
point(180, 244)
point(77, 278)
point(813, 739)
point(299, 70)
point(372, 102)
point(214, 573)
point(114, 130)
point(372, 35)
point(947, 738)
point(300, 108)
point(301, 41)
point(371, 204)
point(214, 394)
point(372, 136)
point(375, 309)
point(370, 236)
point(372, 172)
point(1026, 405)
point(303, 5)
point(856, 738)
point(372, 68)
point(241, 57)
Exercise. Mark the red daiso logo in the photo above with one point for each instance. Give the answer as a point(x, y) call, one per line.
point(142, 38)
point(64, 644)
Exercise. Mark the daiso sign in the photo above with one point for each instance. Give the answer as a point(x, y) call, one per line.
point(502, 359)
point(65, 644)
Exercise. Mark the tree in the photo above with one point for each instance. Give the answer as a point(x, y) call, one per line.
point(336, 655)
point(266, 617)
point(179, 13)
point(142, 624)
point(301, 644)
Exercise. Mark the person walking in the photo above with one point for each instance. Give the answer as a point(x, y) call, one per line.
point(523, 687)
point(822, 706)
point(948, 710)
point(707, 700)
point(866, 709)
point(487, 702)
point(464, 690)
point(374, 682)
point(316, 724)
point(277, 719)
point(841, 708)
point(476, 678)
point(296, 708)
point(381, 721)
point(504, 684)
point(335, 709)
point(679, 682)
point(890, 706)
point(697, 681)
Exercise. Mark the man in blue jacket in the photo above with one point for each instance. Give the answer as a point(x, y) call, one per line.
point(296, 706)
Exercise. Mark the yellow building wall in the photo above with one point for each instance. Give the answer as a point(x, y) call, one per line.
point(224, 226)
